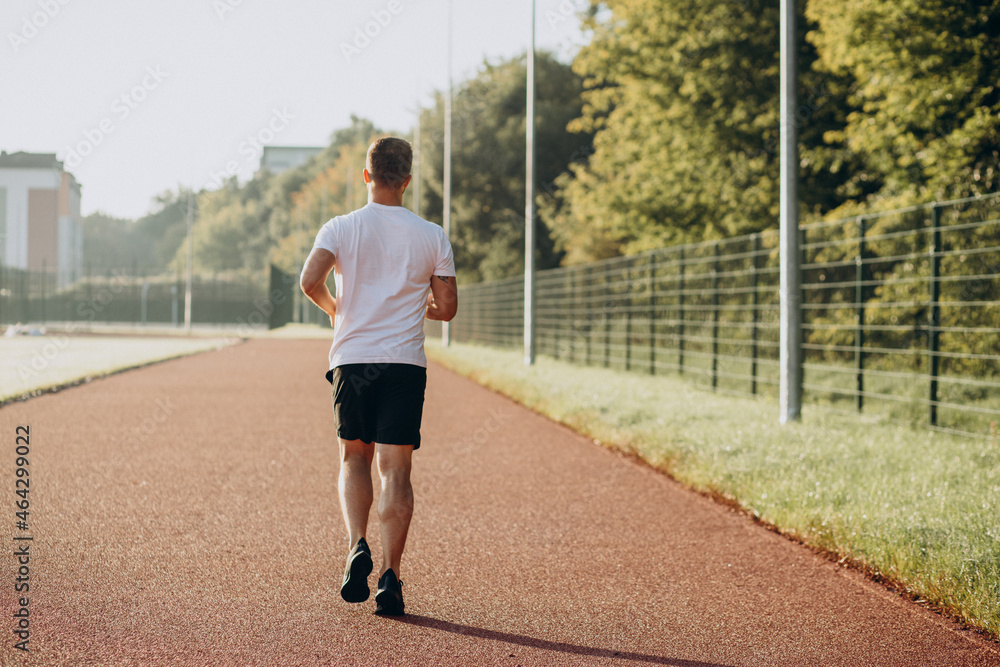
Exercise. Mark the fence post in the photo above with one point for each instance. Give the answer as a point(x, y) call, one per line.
point(479, 293)
point(107, 310)
point(572, 313)
point(478, 296)
point(45, 284)
point(652, 313)
point(497, 326)
point(487, 297)
point(935, 310)
point(628, 317)
point(589, 309)
point(755, 250)
point(607, 315)
point(554, 328)
point(859, 303)
point(25, 296)
point(680, 317)
point(715, 318)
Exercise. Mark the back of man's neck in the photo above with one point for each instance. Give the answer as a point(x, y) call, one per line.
point(385, 197)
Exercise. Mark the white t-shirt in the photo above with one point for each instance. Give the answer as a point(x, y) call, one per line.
point(385, 257)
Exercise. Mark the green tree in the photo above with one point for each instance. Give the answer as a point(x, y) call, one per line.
point(683, 96)
point(148, 243)
point(924, 104)
point(165, 228)
point(273, 217)
point(337, 189)
point(111, 243)
point(488, 137)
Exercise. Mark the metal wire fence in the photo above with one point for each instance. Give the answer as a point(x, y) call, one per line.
point(124, 297)
point(900, 314)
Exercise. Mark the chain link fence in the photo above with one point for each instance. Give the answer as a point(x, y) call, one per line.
point(900, 314)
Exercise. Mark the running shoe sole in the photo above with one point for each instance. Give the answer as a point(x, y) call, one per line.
point(355, 586)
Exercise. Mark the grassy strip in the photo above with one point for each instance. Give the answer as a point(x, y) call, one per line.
point(918, 508)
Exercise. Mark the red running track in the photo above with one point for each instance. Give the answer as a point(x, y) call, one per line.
point(186, 514)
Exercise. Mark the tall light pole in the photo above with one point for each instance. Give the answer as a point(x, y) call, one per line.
point(190, 262)
point(529, 203)
point(416, 165)
point(297, 296)
point(446, 215)
point(790, 290)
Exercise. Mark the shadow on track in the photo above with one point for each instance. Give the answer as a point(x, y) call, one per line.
point(532, 642)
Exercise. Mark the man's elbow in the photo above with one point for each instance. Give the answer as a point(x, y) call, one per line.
point(448, 313)
point(308, 285)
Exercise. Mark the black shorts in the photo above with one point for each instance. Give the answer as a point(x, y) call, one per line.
point(378, 402)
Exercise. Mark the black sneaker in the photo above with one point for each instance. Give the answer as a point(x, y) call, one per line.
point(359, 566)
point(389, 598)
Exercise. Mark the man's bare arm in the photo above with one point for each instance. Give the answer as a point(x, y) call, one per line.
point(442, 301)
point(318, 265)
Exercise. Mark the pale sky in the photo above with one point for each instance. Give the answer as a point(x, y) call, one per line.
point(168, 93)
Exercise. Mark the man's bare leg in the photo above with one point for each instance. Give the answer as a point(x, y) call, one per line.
point(395, 504)
point(356, 487)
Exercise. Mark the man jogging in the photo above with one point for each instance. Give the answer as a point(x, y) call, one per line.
point(392, 269)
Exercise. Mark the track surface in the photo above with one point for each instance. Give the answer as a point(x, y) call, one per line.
point(186, 513)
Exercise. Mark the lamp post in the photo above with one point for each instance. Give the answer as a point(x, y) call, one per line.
point(416, 165)
point(529, 203)
point(790, 290)
point(190, 262)
point(446, 215)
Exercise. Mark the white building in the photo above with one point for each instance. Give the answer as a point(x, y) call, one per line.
point(277, 159)
point(40, 223)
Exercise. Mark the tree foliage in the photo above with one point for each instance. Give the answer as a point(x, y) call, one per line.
point(488, 161)
point(147, 244)
point(274, 217)
point(898, 103)
point(664, 130)
point(924, 102)
point(683, 97)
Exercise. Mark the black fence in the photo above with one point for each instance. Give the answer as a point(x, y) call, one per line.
point(33, 298)
point(900, 313)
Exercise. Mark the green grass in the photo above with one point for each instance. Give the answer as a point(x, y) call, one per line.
point(831, 379)
point(917, 508)
point(34, 363)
